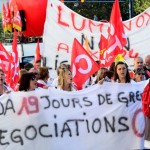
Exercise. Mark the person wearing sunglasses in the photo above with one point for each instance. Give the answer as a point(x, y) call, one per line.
point(35, 72)
point(27, 82)
point(139, 74)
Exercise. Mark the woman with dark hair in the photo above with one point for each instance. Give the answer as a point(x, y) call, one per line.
point(112, 67)
point(121, 73)
point(27, 82)
point(21, 72)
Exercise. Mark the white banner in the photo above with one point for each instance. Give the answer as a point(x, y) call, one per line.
point(62, 25)
point(91, 119)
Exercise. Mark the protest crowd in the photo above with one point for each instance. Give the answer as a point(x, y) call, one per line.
point(36, 77)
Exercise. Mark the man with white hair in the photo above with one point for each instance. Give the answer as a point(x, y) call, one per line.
point(139, 63)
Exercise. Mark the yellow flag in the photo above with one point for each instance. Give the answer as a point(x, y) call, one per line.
point(82, 1)
point(87, 45)
point(118, 58)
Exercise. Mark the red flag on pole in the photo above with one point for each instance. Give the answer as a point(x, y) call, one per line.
point(4, 18)
point(5, 62)
point(14, 63)
point(17, 23)
point(117, 25)
point(37, 53)
point(116, 36)
point(103, 47)
point(11, 5)
point(8, 19)
point(82, 65)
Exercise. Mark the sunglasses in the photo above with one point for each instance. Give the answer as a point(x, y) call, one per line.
point(140, 73)
point(35, 73)
point(33, 78)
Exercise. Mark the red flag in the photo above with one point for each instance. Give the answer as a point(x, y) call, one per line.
point(37, 54)
point(9, 19)
point(103, 47)
point(14, 63)
point(5, 62)
point(4, 18)
point(116, 36)
point(6, 23)
point(11, 5)
point(17, 23)
point(82, 65)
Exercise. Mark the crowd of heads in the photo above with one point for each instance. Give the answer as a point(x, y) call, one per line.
point(120, 72)
point(36, 77)
point(33, 77)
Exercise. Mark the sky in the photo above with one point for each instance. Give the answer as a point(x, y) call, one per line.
point(1, 3)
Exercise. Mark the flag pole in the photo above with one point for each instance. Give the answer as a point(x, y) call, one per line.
point(21, 43)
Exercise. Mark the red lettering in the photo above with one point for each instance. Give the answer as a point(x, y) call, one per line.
point(73, 21)
point(59, 17)
point(30, 105)
point(148, 17)
point(62, 46)
point(141, 17)
point(128, 27)
point(131, 55)
point(135, 130)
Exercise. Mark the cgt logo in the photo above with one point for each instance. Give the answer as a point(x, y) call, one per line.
point(82, 67)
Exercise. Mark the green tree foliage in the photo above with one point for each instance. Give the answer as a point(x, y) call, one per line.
point(88, 10)
point(103, 10)
point(140, 6)
point(4, 36)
